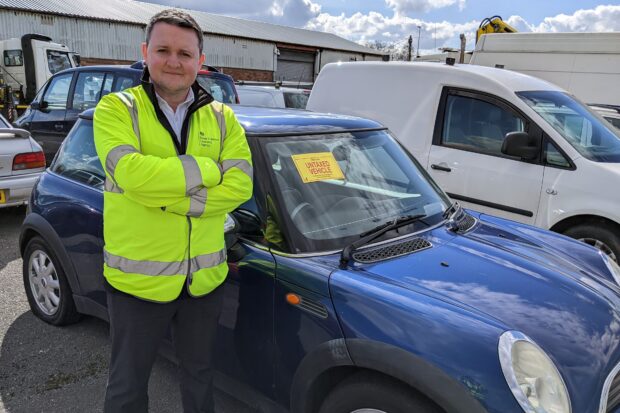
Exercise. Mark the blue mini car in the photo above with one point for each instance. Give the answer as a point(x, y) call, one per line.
point(355, 285)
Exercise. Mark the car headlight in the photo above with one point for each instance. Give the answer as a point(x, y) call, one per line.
point(531, 375)
point(612, 266)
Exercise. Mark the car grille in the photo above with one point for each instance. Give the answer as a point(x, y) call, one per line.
point(613, 399)
point(391, 251)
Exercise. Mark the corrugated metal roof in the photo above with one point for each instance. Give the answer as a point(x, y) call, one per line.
point(137, 12)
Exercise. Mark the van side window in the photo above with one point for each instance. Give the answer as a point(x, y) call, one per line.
point(58, 91)
point(554, 157)
point(476, 125)
point(87, 90)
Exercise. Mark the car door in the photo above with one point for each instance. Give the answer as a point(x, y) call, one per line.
point(467, 162)
point(78, 176)
point(48, 122)
point(245, 345)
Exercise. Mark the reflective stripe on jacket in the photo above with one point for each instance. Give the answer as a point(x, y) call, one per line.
point(165, 203)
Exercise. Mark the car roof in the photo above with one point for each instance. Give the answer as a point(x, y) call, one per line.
point(272, 121)
point(128, 69)
point(109, 68)
point(458, 74)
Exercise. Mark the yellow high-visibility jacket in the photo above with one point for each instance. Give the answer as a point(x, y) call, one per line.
point(165, 202)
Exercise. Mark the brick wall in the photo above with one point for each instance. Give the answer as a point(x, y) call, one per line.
point(91, 61)
point(248, 74)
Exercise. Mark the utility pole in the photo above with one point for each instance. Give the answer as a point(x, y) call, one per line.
point(409, 50)
point(418, 52)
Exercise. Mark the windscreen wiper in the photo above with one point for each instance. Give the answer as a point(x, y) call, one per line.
point(376, 232)
point(453, 208)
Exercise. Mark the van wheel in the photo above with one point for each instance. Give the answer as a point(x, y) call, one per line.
point(602, 238)
point(48, 291)
point(369, 393)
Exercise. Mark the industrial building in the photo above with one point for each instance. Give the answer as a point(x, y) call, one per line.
point(111, 32)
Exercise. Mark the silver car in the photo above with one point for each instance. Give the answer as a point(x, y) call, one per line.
point(21, 162)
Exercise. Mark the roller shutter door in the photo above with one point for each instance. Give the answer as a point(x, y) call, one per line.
point(295, 66)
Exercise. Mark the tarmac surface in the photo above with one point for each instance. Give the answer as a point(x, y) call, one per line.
point(63, 369)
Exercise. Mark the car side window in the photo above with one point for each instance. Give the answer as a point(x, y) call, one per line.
point(123, 82)
point(58, 91)
point(87, 90)
point(477, 125)
point(78, 160)
point(554, 157)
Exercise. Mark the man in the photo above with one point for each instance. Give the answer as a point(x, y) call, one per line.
point(176, 162)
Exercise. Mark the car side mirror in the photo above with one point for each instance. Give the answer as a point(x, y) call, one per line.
point(44, 106)
point(234, 251)
point(521, 145)
point(35, 105)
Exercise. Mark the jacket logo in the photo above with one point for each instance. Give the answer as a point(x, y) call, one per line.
point(206, 141)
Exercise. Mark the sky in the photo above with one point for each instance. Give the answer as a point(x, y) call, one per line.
point(440, 21)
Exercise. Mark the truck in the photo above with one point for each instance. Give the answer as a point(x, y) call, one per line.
point(585, 64)
point(27, 63)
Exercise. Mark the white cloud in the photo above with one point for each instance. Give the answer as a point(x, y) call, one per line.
point(599, 19)
point(408, 6)
point(287, 12)
point(376, 26)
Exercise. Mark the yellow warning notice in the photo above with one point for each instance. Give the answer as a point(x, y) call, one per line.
point(313, 167)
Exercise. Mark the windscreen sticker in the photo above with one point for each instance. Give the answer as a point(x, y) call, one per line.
point(320, 166)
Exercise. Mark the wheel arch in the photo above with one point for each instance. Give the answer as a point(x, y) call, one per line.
point(35, 225)
point(336, 360)
point(574, 220)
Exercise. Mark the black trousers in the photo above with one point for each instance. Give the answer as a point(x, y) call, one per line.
point(137, 328)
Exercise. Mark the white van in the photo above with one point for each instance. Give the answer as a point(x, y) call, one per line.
point(585, 64)
point(498, 141)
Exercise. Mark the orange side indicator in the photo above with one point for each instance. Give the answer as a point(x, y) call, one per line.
point(293, 299)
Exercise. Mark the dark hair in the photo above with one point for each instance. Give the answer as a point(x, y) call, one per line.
point(176, 18)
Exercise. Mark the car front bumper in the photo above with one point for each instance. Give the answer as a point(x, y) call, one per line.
point(17, 189)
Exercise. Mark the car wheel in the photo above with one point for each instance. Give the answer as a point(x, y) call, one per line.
point(605, 239)
point(369, 393)
point(48, 291)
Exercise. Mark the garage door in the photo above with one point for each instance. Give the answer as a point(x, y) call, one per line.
point(295, 66)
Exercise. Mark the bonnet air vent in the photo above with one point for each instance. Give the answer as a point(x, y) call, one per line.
point(391, 251)
point(465, 223)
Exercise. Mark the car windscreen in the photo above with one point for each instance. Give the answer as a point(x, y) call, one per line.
point(57, 61)
point(221, 89)
point(587, 132)
point(334, 187)
point(77, 159)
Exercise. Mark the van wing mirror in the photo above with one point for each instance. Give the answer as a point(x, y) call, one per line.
point(521, 145)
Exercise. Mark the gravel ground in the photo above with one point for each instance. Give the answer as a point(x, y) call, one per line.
point(50, 369)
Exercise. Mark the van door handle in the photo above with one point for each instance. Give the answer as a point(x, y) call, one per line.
point(441, 168)
point(59, 126)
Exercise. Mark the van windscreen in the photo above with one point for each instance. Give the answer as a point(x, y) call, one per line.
point(587, 132)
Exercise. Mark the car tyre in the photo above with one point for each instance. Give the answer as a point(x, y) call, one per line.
point(605, 239)
point(370, 393)
point(48, 291)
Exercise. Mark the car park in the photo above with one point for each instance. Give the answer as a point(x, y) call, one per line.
point(56, 106)
point(498, 141)
point(355, 285)
point(273, 96)
point(21, 163)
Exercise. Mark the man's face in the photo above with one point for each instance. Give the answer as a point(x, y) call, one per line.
point(173, 57)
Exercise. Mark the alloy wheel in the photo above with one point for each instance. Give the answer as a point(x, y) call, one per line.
point(44, 282)
point(601, 246)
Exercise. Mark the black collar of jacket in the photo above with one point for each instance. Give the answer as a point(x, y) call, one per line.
point(201, 98)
